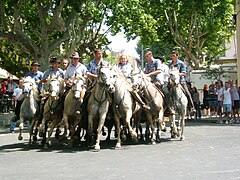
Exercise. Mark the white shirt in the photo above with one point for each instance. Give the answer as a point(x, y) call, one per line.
point(18, 92)
point(163, 77)
point(227, 99)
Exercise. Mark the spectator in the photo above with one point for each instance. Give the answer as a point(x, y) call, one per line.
point(220, 89)
point(206, 109)
point(235, 107)
point(196, 101)
point(18, 99)
point(212, 100)
point(11, 85)
point(228, 102)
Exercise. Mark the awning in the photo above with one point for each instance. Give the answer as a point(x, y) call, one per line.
point(4, 74)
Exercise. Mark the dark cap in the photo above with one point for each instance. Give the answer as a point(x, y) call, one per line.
point(35, 63)
point(54, 59)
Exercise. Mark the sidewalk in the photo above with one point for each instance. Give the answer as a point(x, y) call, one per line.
point(5, 120)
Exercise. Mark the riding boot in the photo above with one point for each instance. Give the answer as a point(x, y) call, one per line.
point(140, 101)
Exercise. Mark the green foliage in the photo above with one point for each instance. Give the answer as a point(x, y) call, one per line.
point(214, 74)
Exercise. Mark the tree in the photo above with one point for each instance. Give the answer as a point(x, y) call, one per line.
point(42, 28)
point(214, 73)
point(199, 28)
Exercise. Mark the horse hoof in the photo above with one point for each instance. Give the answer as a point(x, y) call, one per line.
point(118, 145)
point(34, 138)
point(164, 130)
point(173, 136)
point(20, 138)
point(182, 138)
point(97, 147)
point(104, 133)
point(153, 142)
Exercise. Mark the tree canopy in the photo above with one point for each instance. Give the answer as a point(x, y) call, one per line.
point(41, 28)
point(199, 28)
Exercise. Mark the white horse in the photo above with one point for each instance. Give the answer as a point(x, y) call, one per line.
point(124, 105)
point(72, 104)
point(30, 107)
point(98, 103)
point(53, 108)
point(178, 103)
point(154, 98)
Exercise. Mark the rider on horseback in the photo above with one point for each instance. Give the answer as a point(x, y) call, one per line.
point(182, 72)
point(126, 68)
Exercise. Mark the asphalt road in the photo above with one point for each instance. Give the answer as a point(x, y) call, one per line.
point(210, 151)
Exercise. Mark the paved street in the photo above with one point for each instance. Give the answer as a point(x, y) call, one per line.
point(210, 151)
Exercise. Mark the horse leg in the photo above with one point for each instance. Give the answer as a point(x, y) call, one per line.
point(117, 129)
point(20, 137)
point(182, 137)
point(173, 126)
point(150, 121)
point(131, 131)
point(90, 130)
point(36, 124)
point(99, 129)
point(66, 125)
point(51, 127)
point(31, 132)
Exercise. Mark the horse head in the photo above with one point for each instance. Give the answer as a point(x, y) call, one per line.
point(106, 78)
point(174, 76)
point(138, 80)
point(28, 86)
point(78, 85)
point(55, 86)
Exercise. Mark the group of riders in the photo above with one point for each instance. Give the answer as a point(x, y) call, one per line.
point(154, 68)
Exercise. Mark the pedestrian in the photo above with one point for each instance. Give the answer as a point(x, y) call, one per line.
point(35, 74)
point(196, 101)
point(206, 109)
point(11, 85)
point(212, 99)
point(228, 102)
point(17, 99)
point(220, 89)
point(235, 107)
point(176, 62)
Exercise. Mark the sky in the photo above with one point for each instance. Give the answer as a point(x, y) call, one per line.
point(119, 43)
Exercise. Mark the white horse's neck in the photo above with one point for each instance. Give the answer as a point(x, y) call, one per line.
point(100, 93)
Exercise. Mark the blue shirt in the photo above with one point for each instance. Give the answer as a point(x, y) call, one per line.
point(50, 71)
point(37, 76)
point(79, 69)
point(126, 69)
point(182, 68)
point(153, 66)
point(93, 66)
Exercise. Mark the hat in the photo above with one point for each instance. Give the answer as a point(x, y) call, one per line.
point(54, 59)
point(75, 55)
point(35, 63)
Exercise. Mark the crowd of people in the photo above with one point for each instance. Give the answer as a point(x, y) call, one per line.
point(221, 100)
point(217, 99)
